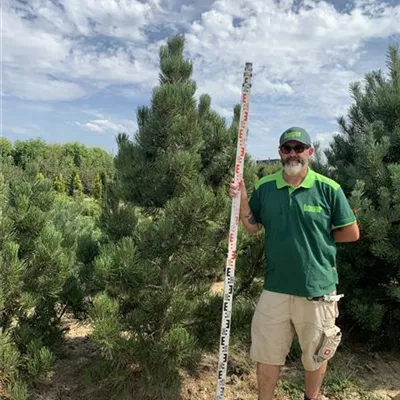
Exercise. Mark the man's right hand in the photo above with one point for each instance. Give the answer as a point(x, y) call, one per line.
point(236, 189)
point(246, 215)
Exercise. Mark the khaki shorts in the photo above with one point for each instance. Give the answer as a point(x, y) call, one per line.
point(278, 317)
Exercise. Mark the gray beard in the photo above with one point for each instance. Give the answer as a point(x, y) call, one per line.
point(294, 167)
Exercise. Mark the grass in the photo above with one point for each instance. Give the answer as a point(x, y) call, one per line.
point(338, 378)
point(340, 382)
point(290, 389)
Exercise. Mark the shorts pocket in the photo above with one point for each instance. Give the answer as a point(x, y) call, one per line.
point(330, 310)
point(328, 344)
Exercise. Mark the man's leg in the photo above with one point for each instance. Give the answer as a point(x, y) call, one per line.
point(271, 334)
point(318, 337)
point(267, 377)
point(314, 380)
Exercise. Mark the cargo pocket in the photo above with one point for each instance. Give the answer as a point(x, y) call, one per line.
point(330, 311)
point(328, 344)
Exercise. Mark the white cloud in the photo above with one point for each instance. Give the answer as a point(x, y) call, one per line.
point(120, 19)
point(304, 54)
point(26, 40)
point(117, 67)
point(72, 52)
point(223, 111)
point(108, 126)
point(34, 86)
point(324, 138)
point(309, 55)
point(100, 43)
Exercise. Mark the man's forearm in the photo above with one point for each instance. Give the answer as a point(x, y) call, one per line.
point(247, 217)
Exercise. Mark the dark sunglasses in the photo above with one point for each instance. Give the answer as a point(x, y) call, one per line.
point(298, 148)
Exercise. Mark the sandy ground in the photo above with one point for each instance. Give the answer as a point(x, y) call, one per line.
point(380, 374)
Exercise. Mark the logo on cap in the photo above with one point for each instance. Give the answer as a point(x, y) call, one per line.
point(291, 135)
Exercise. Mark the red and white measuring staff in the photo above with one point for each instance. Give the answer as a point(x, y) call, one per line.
point(234, 226)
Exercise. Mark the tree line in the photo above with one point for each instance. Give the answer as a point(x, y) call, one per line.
point(73, 167)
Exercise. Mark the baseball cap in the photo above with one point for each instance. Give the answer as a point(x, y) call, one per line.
point(297, 134)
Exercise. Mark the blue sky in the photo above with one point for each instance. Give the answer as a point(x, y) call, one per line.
point(76, 70)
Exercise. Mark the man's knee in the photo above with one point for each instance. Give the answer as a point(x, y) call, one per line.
point(268, 370)
point(267, 377)
point(317, 349)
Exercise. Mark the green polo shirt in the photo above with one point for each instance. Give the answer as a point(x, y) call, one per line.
point(299, 245)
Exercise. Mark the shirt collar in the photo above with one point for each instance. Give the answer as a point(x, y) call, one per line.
point(308, 181)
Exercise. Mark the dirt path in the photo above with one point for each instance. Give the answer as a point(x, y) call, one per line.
point(378, 375)
point(381, 374)
point(379, 379)
point(68, 379)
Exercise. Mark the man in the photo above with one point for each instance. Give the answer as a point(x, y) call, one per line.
point(304, 215)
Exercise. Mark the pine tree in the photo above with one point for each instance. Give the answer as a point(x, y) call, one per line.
point(219, 144)
point(6, 147)
point(34, 268)
point(98, 187)
point(59, 184)
point(47, 244)
point(28, 151)
point(119, 218)
point(156, 278)
point(77, 184)
point(365, 159)
point(169, 137)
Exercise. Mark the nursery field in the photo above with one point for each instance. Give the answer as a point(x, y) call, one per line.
point(111, 266)
point(352, 376)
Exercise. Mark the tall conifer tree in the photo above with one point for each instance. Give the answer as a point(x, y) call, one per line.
point(157, 277)
point(365, 159)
